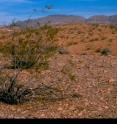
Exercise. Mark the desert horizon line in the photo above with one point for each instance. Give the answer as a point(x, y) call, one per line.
point(40, 17)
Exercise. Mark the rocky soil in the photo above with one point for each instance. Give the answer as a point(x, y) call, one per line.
point(87, 82)
point(79, 83)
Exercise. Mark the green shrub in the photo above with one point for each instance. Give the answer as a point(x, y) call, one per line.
point(113, 27)
point(104, 51)
point(24, 56)
point(51, 31)
point(31, 47)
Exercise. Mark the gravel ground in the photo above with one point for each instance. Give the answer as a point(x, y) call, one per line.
point(87, 82)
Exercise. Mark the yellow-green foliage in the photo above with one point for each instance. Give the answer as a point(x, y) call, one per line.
point(69, 72)
point(31, 47)
point(113, 29)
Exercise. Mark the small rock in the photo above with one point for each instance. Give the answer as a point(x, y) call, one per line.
point(62, 51)
point(111, 80)
point(60, 109)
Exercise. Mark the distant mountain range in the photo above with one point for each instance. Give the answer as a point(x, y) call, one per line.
point(103, 19)
point(64, 19)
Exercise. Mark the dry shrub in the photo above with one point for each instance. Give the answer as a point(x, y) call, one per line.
point(12, 93)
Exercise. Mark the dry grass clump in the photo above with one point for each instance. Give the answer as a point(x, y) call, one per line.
point(12, 93)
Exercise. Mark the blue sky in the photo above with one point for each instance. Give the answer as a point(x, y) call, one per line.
point(22, 9)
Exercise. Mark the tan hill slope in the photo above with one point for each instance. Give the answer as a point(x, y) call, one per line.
point(88, 38)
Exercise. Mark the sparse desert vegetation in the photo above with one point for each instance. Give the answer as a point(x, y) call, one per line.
point(61, 71)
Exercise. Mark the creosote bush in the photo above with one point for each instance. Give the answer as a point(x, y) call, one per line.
point(31, 47)
point(104, 51)
point(113, 27)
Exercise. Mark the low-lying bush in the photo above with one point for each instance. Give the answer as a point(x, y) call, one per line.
point(11, 93)
point(104, 51)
